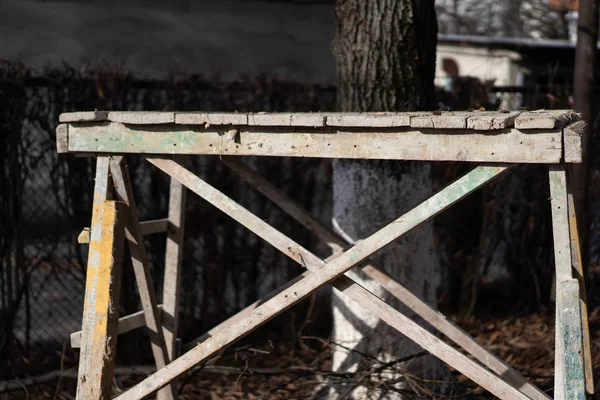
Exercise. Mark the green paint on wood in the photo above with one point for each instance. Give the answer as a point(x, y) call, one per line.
point(570, 318)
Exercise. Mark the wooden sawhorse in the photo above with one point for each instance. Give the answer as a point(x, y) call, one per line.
point(492, 139)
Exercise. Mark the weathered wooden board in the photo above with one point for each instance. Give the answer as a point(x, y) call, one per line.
point(477, 120)
point(204, 118)
point(173, 257)
point(491, 120)
point(141, 269)
point(142, 117)
point(146, 227)
point(103, 285)
point(545, 119)
point(573, 141)
point(560, 222)
point(511, 145)
point(580, 276)
point(62, 138)
point(287, 119)
point(569, 382)
point(302, 287)
point(445, 120)
point(370, 120)
point(125, 324)
point(83, 116)
point(430, 315)
point(568, 314)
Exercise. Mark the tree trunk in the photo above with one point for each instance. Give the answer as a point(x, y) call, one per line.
point(385, 56)
point(583, 92)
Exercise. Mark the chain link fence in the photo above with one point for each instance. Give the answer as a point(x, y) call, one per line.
point(46, 202)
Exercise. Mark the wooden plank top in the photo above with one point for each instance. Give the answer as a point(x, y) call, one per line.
point(471, 120)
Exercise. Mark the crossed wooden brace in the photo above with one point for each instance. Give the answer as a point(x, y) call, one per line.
point(501, 380)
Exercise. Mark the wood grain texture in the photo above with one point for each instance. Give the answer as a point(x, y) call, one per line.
point(510, 145)
point(102, 192)
point(491, 120)
point(560, 222)
point(573, 141)
point(476, 120)
point(147, 228)
point(569, 319)
point(566, 386)
point(446, 120)
point(125, 324)
point(287, 119)
point(83, 116)
point(204, 118)
point(100, 316)
point(62, 138)
point(142, 117)
point(545, 119)
point(173, 257)
point(370, 120)
point(577, 263)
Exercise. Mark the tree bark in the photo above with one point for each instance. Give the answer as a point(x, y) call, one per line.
point(385, 58)
point(583, 94)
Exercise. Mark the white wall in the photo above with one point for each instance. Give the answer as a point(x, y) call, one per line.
point(498, 66)
point(289, 41)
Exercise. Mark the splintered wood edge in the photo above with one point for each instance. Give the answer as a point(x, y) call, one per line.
point(451, 120)
point(366, 120)
point(573, 142)
point(203, 118)
point(83, 116)
point(142, 117)
point(487, 121)
point(546, 119)
point(473, 120)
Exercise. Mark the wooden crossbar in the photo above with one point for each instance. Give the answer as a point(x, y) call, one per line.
point(146, 227)
point(386, 143)
point(425, 311)
point(322, 274)
point(125, 324)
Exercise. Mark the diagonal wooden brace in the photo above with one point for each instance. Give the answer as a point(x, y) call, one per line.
point(337, 243)
point(578, 270)
point(139, 259)
point(429, 314)
point(306, 284)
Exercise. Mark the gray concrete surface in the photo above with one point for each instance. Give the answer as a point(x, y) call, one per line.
point(230, 38)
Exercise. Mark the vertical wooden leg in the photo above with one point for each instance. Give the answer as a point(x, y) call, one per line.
point(102, 192)
point(568, 368)
point(139, 259)
point(101, 310)
point(578, 269)
point(173, 254)
point(172, 275)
